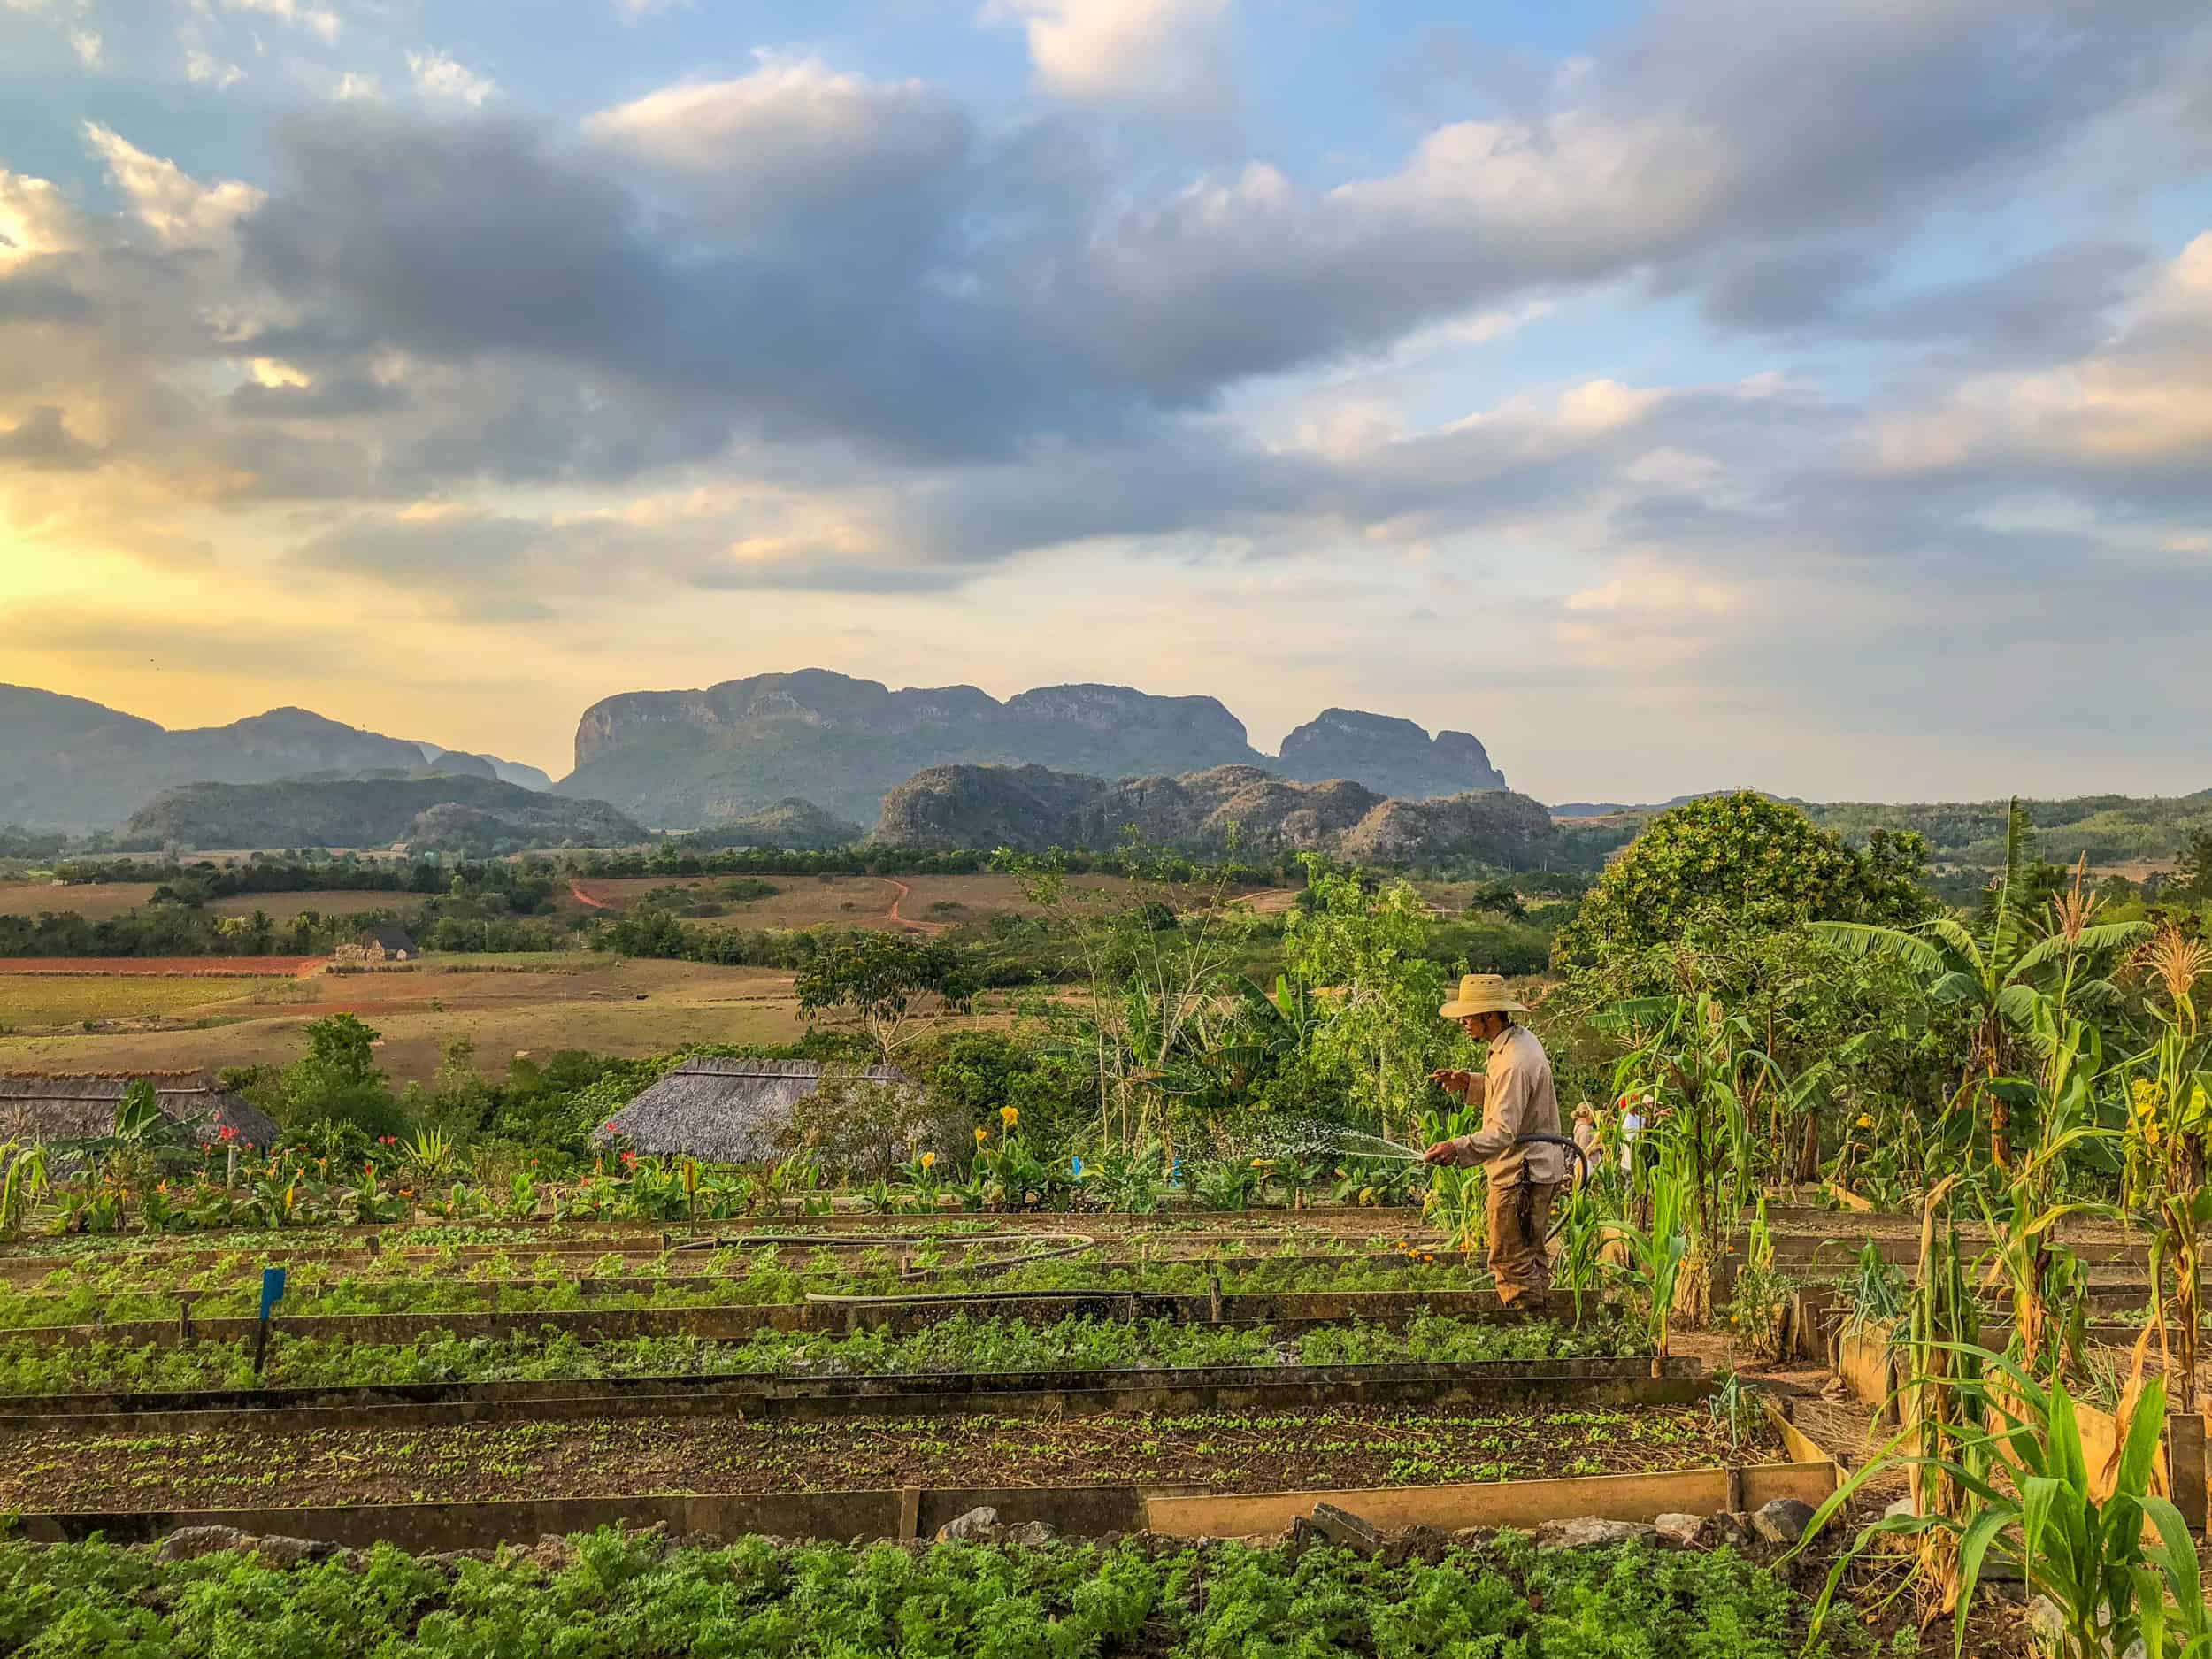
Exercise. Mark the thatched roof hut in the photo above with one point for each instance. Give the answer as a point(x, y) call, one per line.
point(732, 1111)
point(45, 1106)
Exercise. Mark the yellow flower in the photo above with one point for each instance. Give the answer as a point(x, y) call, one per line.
point(981, 1135)
point(1865, 1121)
point(929, 1160)
point(1009, 1115)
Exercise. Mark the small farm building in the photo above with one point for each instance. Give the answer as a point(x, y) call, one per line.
point(45, 1106)
point(729, 1111)
point(379, 944)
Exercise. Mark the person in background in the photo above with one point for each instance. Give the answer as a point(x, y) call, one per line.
point(1517, 1100)
point(1586, 1137)
point(1632, 1125)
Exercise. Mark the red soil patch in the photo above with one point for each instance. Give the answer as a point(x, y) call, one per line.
point(186, 967)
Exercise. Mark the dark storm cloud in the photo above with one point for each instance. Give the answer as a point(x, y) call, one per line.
point(43, 441)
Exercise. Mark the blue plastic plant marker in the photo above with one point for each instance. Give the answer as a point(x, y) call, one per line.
point(271, 1289)
point(1075, 1166)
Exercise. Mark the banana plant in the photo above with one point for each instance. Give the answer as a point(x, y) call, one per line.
point(2006, 975)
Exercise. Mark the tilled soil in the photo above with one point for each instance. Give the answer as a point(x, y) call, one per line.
point(1343, 1447)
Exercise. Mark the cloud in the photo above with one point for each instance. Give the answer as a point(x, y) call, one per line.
point(177, 208)
point(1170, 57)
point(87, 45)
point(203, 69)
point(319, 20)
point(797, 150)
point(355, 88)
point(438, 78)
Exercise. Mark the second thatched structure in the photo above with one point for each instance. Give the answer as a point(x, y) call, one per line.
point(757, 1111)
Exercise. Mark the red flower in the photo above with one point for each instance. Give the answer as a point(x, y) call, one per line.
point(629, 1160)
point(610, 1126)
point(229, 1133)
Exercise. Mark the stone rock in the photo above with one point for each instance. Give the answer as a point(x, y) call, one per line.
point(1029, 1535)
point(1346, 1530)
point(553, 1553)
point(1589, 1533)
point(449, 1560)
point(977, 1526)
point(279, 1551)
point(1732, 1527)
point(1682, 1530)
point(1783, 1521)
point(189, 1543)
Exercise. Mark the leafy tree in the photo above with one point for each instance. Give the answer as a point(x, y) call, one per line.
point(2192, 875)
point(1744, 860)
point(339, 1081)
point(1363, 951)
point(885, 982)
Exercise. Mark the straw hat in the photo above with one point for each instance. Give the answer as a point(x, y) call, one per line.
point(1482, 994)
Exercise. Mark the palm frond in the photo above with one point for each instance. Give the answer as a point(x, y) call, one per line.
point(1868, 940)
point(2091, 941)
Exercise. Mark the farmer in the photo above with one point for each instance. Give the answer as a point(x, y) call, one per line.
point(1514, 1093)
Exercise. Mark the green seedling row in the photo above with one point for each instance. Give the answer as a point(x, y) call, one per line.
point(961, 1345)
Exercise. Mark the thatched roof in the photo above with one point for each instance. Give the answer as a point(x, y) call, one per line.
point(42, 1106)
point(394, 940)
point(728, 1110)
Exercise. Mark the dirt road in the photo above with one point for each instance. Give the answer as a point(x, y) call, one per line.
point(906, 893)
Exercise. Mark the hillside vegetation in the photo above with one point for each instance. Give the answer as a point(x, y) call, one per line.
point(1035, 806)
point(475, 815)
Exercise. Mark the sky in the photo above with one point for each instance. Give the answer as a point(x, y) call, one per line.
point(1675, 395)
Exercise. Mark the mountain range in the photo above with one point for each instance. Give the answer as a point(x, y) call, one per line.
point(686, 759)
point(68, 764)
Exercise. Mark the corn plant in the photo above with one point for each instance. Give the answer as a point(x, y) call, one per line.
point(2074, 1544)
point(22, 1184)
point(2045, 1280)
point(2169, 1131)
point(1657, 1255)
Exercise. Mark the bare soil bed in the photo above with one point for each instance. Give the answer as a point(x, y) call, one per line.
point(1345, 1446)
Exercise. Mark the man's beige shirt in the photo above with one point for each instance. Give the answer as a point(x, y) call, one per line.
point(1516, 1098)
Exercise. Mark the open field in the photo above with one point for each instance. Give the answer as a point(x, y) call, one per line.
point(37, 1002)
point(94, 901)
point(502, 1004)
point(158, 967)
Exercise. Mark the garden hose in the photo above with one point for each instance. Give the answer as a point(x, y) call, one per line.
point(1581, 1159)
